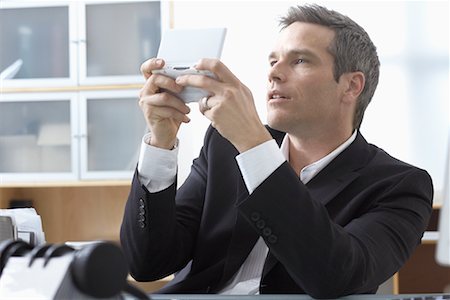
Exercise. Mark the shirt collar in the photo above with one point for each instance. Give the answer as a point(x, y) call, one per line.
point(311, 170)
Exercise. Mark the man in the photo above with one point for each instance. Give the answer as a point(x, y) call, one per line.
point(325, 213)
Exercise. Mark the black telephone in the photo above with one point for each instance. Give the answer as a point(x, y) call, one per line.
point(98, 270)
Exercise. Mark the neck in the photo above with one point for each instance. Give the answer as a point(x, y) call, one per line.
point(304, 151)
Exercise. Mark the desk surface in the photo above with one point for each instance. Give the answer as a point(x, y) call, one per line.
point(299, 297)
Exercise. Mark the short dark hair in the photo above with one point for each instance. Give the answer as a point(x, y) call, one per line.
point(351, 48)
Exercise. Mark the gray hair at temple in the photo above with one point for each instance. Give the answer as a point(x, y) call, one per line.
point(351, 48)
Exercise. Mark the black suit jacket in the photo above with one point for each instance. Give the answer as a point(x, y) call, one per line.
point(345, 232)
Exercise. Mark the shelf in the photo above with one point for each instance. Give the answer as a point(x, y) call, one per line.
point(430, 237)
point(55, 184)
point(70, 88)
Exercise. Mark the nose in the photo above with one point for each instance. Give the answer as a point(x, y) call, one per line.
point(276, 73)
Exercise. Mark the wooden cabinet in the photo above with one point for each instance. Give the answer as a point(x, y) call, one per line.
point(421, 273)
point(74, 212)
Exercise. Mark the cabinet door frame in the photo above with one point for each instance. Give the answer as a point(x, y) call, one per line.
point(72, 80)
point(84, 97)
point(82, 44)
point(74, 128)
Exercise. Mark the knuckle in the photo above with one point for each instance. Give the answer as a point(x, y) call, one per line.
point(142, 67)
point(152, 80)
point(215, 64)
point(143, 103)
point(142, 92)
point(228, 93)
point(164, 96)
point(148, 65)
point(203, 61)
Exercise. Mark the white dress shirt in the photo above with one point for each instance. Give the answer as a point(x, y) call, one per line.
point(157, 171)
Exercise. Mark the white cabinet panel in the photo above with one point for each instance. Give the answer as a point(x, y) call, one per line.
point(119, 37)
point(112, 127)
point(36, 48)
point(37, 136)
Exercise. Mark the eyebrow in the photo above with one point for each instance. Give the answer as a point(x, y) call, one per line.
point(295, 52)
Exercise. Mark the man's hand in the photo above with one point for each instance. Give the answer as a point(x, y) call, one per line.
point(163, 112)
point(231, 109)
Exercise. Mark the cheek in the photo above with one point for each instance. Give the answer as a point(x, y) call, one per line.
point(317, 90)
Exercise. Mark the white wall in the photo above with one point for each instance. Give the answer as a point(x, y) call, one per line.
point(409, 115)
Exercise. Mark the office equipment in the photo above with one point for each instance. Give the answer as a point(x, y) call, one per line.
point(26, 223)
point(60, 272)
point(443, 245)
point(7, 229)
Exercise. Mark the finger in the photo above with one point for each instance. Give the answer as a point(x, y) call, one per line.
point(209, 113)
point(218, 68)
point(164, 100)
point(169, 113)
point(200, 81)
point(156, 82)
point(203, 104)
point(149, 88)
point(151, 64)
point(166, 83)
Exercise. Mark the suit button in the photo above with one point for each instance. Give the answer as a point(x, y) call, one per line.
point(267, 231)
point(263, 287)
point(141, 217)
point(260, 224)
point(255, 216)
point(141, 210)
point(141, 224)
point(272, 239)
point(141, 202)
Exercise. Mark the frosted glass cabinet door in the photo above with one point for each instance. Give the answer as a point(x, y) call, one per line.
point(34, 42)
point(113, 127)
point(119, 37)
point(36, 138)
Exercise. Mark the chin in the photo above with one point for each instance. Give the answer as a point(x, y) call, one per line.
point(277, 123)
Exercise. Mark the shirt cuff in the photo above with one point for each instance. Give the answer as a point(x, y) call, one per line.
point(157, 168)
point(259, 162)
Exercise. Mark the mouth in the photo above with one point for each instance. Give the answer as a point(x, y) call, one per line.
point(277, 96)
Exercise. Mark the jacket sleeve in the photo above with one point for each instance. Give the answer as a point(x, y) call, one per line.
point(159, 230)
point(329, 260)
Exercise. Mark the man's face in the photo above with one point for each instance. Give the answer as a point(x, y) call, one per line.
point(303, 96)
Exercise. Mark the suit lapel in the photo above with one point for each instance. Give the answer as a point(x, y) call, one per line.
point(342, 171)
point(325, 190)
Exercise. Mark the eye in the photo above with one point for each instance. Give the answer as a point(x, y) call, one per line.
point(299, 61)
point(272, 62)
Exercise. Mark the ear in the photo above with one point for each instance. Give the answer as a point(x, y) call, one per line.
point(355, 82)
